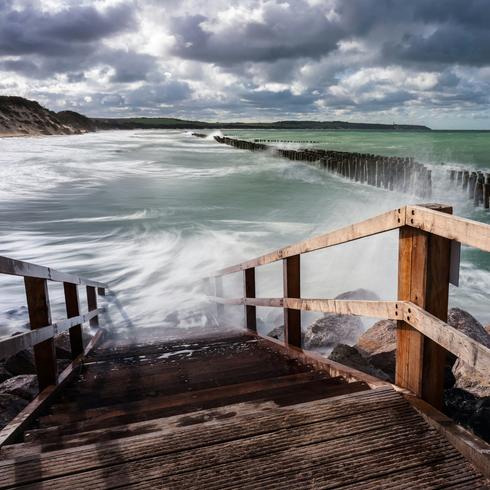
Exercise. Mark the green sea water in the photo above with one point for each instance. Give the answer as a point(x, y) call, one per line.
point(152, 212)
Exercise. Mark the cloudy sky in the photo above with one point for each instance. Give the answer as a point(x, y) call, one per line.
point(413, 61)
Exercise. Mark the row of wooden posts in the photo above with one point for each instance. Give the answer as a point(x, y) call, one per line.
point(475, 183)
point(392, 173)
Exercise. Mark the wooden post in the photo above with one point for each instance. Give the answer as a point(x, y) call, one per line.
point(40, 316)
point(478, 195)
point(471, 186)
point(486, 193)
point(218, 285)
point(466, 176)
point(72, 304)
point(249, 292)
point(92, 305)
point(292, 318)
point(423, 278)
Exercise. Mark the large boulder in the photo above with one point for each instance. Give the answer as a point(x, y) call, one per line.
point(350, 356)
point(4, 374)
point(10, 406)
point(25, 387)
point(21, 363)
point(331, 330)
point(277, 333)
point(468, 378)
point(378, 346)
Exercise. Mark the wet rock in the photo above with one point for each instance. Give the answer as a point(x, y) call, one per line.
point(4, 374)
point(350, 356)
point(467, 378)
point(10, 407)
point(487, 329)
point(63, 364)
point(21, 363)
point(469, 411)
point(24, 386)
point(277, 333)
point(380, 338)
point(172, 318)
point(331, 330)
point(62, 353)
point(449, 378)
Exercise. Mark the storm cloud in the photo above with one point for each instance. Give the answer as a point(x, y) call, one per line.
point(252, 59)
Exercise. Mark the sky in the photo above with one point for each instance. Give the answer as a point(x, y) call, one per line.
point(403, 61)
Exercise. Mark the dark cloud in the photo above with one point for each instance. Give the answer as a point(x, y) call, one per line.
point(74, 31)
point(288, 30)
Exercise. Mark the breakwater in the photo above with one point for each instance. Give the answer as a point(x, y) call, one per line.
point(476, 184)
point(391, 173)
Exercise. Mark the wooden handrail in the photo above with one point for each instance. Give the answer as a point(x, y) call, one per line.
point(373, 226)
point(391, 310)
point(43, 331)
point(25, 269)
point(423, 285)
point(12, 345)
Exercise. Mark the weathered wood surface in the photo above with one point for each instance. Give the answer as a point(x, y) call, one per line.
point(371, 309)
point(345, 436)
point(12, 345)
point(462, 230)
point(26, 269)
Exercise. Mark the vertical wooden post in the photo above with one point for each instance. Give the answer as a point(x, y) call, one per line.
point(423, 278)
point(72, 303)
point(292, 318)
point(466, 176)
point(40, 316)
point(92, 305)
point(249, 292)
point(218, 285)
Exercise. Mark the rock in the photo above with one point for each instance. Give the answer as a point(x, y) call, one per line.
point(359, 294)
point(380, 338)
point(378, 346)
point(62, 353)
point(4, 374)
point(277, 333)
point(63, 364)
point(63, 340)
point(350, 356)
point(487, 329)
point(331, 330)
point(10, 407)
point(172, 318)
point(449, 378)
point(24, 386)
point(471, 412)
point(21, 363)
point(467, 378)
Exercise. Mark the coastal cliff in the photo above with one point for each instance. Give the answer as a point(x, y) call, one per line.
point(22, 117)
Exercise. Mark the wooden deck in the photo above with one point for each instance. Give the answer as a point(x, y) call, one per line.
point(227, 410)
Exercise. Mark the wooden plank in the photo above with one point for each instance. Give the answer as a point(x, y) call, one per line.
point(26, 418)
point(218, 424)
point(26, 269)
point(92, 306)
point(72, 304)
point(462, 230)
point(292, 289)
point(470, 351)
point(370, 309)
point(248, 424)
point(249, 292)
point(40, 316)
point(373, 226)
point(474, 449)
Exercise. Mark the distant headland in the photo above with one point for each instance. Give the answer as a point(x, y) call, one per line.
point(23, 117)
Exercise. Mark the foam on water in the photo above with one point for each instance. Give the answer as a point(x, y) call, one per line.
point(152, 212)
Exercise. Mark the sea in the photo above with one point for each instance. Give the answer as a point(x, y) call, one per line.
point(153, 212)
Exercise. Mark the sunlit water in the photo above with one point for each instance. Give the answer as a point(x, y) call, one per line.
point(152, 212)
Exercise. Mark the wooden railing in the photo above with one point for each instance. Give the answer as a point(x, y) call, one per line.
point(41, 336)
point(423, 336)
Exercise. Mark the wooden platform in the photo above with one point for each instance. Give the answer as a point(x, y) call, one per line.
point(227, 411)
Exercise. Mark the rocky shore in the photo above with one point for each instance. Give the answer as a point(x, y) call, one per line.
point(466, 392)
